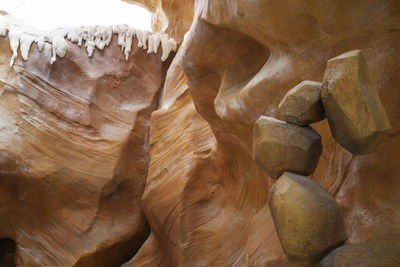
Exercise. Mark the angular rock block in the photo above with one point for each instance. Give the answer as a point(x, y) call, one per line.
point(279, 146)
point(355, 113)
point(307, 218)
point(302, 105)
point(382, 253)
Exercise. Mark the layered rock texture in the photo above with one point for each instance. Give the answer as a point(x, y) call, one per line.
point(237, 62)
point(81, 168)
point(75, 153)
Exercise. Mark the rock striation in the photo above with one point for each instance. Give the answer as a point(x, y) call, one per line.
point(237, 61)
point(75, 153)
point(203, 196)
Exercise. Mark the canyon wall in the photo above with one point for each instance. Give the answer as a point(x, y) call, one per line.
point(75, 153)
point(205, 199)
point(106, 161)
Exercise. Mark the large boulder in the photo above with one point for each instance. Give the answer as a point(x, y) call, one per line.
point(307, 218)
point(302, 105)
point(382, 253)
point(355, 113)
point(279, 146)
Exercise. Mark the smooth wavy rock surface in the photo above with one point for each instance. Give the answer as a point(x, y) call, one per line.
point(74, 153)
point(204, 198)
point(239, 59)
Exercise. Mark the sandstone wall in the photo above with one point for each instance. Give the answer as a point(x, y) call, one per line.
point(75, 153)
point(80, 174)
point(239, 59)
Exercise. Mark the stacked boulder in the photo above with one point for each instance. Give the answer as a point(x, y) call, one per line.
point(355, 113)
point(307, 218)
point(302, 105)
point(279, 146)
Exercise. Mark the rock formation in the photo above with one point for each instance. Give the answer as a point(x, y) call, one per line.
point(355, 113)
point(280, 147)
point(74, 153)
point(306, 217)
point(302, 105)
point(173, 17)
point(81, 169)
point(239, 59)
point(383, 253)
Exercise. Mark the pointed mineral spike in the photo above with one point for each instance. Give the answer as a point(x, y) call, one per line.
point(355, 113)
point(302, 105)
point(307, 218)
point(279, 146)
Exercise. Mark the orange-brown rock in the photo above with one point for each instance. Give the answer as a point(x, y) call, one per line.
point(356, 117)
point(307, 218)
point(74, 153)
point(205, 199)
point(173, 17)
point(194, 190)
point(239, 59)
point(279, 146)
point(382, 253)
point(302, 105)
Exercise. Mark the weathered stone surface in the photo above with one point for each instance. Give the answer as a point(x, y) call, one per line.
point(302, 105)
point(306, 216)
point(279, 146)
point(173, 17)
point(203, 187)
point(381, 253)
point(236, 58)
point(74, 153)
point(356, 116)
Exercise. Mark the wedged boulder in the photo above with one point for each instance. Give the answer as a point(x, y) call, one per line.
point(279, 146)
point(382, 253)
point(302, 104)
point(307, 218)
point(355, 113)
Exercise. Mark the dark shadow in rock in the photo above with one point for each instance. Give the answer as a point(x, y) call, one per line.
point(7, 252)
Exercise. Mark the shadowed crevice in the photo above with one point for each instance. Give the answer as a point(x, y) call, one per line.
point(7, 252)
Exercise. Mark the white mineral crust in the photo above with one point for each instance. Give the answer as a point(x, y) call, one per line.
point(22, 36)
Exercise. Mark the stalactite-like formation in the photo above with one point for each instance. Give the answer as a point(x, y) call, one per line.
point(22, 36)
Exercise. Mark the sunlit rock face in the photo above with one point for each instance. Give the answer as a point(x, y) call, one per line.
point(77, 163)
point(74, 153)
point(205, 199)
point(173, 17)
